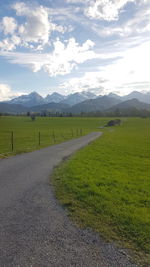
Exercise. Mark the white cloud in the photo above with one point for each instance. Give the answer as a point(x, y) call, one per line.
point(108, 10)
point(9, 44)
point(77, 1)
point(37, 26)
point(128, 73)
point(133, 67)
point(8, 25)
point(90, 81)
point(65, 57)
point(137, 25)
point(34, 33)
point(6, 92)
point(135, 61)
point(61, 61)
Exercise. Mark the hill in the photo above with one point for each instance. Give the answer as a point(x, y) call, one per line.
point(51, 107)
point(12, 108)
point(130, 104)
point(99, 104)
point(143, 97)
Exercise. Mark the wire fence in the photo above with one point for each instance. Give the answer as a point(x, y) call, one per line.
point(15, 142)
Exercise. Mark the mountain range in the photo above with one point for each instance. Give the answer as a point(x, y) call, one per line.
point(76, 103)
point(34, 99)
point(92, 105)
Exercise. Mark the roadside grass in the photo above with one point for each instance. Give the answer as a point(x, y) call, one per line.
point(106, 186)
point(52, 131)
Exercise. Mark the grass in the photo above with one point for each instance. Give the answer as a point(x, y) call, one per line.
point(26, 132)
point(106, 186)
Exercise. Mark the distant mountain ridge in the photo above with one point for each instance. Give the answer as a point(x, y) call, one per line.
point(98, 104)
point(12, 108)
point(51, 107)
point(143, 97)
point(55, 97)
point(29, 100)
point(130, 104)
point(84, 102)
point(76, 98)
point(34, 99)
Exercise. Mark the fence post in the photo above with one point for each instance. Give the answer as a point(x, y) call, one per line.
point(54, 136)
point(62, 136)
point(12, 140)
point(39, 138)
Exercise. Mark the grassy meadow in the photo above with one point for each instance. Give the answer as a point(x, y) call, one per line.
point(52, 131)
point(106, 186)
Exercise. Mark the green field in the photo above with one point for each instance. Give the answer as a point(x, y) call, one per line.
point(106, 186)
point(52, 131)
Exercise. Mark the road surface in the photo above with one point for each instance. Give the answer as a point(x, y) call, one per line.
point(34, 229)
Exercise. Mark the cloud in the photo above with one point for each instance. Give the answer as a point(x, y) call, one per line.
point(62, 60)
point(6, 92)
point(37, 27)
point(127, 73)
point(9, 44)
point(137, 25)
point(108, 10)
point(132, 67)
point(90, 81)
point(8, 25)
point(66, 57)
point(33, 32)
point(77, 1)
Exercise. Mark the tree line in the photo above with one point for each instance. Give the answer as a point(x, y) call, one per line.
point(133, 112)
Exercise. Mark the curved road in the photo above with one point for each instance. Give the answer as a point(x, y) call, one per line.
point(34, 229)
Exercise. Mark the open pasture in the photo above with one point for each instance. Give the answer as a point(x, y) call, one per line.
point(27, 135)
point(106, 186)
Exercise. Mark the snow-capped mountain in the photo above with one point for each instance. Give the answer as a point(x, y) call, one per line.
point(114, 96)
point(76, 98)
point(143, 97)
point(30, 100)
point(55, 98)
point(34, 99)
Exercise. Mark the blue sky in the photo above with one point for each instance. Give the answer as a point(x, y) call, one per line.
point(73, 45)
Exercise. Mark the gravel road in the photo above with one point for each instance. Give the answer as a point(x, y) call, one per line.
point(34, 229)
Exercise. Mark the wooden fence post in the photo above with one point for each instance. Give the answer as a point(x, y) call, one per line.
point(54, 136)
point(12, 140)
point(62, 136)
point(39, 138)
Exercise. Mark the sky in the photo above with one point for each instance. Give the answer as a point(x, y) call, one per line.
point(68, 46)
